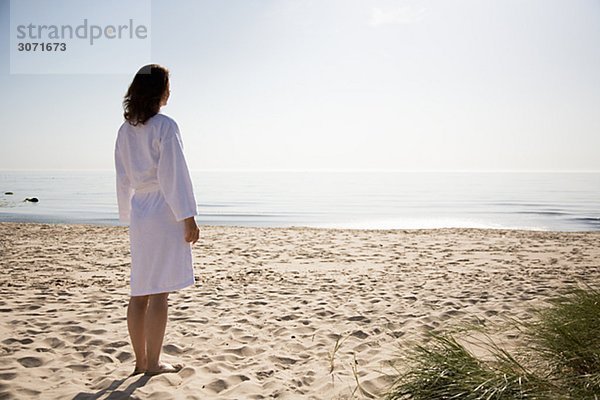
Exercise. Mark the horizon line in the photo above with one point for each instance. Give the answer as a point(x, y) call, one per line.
point(318, 170)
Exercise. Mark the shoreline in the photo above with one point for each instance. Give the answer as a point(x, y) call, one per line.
point(306, 227)
point(268, 306)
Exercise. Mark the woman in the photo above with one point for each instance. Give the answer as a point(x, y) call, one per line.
point(155, 195)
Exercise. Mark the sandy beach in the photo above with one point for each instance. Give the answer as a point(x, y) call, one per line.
point(268, 306)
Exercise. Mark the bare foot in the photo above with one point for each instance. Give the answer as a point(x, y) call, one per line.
point(165, 368)
point(137, 371)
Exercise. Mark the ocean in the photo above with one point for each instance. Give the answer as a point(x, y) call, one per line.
point(565, 201)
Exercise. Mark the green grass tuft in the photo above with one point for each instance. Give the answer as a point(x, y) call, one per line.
point(564, 347)
point(445, 369)
point(567, 336)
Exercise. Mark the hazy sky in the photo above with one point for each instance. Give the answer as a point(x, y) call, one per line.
point(337, 84)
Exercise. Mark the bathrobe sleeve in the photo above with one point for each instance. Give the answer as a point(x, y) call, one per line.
point(174, 177)
point(124, 189)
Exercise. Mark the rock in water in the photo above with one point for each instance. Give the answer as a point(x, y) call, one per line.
point(32, 199)
point(8, 193)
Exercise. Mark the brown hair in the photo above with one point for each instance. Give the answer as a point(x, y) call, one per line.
point(143, 97)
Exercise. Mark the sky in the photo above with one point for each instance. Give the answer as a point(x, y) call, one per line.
point(335, 85)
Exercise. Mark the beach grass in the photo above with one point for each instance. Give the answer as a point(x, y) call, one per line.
point(563, 360)
point(446, 369)
point(567, 337)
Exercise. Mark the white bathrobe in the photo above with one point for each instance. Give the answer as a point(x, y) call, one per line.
point(155, 195)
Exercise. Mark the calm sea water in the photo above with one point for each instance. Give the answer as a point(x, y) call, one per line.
point(366, 200)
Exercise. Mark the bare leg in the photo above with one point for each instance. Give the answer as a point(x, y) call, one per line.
point(156, 322)
point(136, 316)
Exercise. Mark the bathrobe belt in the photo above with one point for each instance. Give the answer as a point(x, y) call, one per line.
point(148, 188)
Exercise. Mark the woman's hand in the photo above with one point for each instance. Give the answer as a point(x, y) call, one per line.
point(191, 230)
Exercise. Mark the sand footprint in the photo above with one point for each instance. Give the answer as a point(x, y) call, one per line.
point(219, 385)
point(31, 362)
